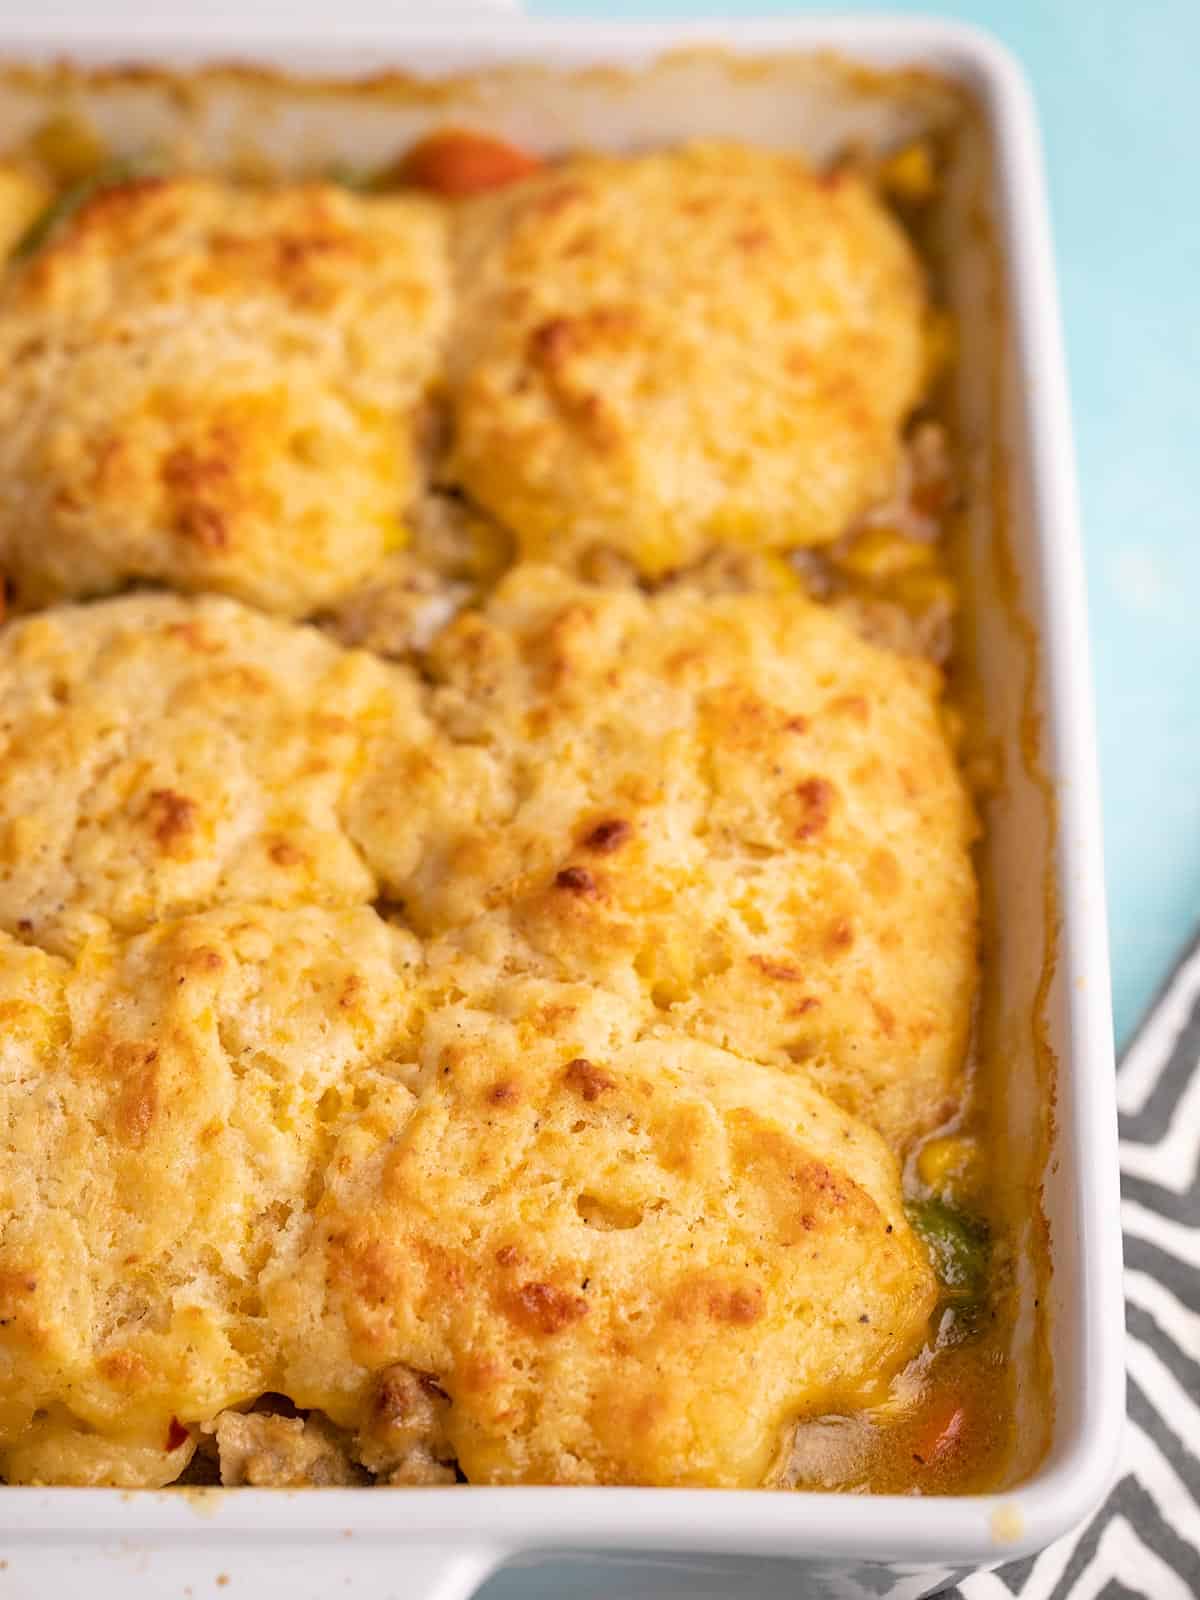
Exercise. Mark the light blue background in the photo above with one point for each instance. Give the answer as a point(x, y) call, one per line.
point(1119, 95)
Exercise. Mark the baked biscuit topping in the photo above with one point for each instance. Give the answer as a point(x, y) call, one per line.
point(256, 1150)
point(162, 754)
point(709, 344)
point(730, 809)
point(495, 1062)
point(218, 389)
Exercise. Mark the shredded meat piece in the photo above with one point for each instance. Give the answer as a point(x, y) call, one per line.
point(273, 1452)
point(928, 633)
point(924, 489)
point(400, 612)
point(404, 1440)
point(727, 569)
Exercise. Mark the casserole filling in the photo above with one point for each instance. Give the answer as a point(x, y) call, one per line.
point(487, 920)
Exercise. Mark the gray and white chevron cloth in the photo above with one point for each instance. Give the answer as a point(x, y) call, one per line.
point(1146, 1539)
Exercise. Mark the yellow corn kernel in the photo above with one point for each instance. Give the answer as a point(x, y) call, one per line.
point(880, 553)
point(910, 174)
point(941, 345)
point(950, 1164)
point(781, 573)
point(395, 535)
point(69, 146)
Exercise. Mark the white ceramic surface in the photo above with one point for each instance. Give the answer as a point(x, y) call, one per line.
point(440, 1543)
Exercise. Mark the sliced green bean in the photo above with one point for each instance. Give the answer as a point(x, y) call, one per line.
point(958, 1246)
point(73, 198)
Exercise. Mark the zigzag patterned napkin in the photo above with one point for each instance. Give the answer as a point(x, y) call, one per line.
point(1146, 1539)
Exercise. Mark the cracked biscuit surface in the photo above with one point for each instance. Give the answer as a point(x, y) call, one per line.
point(258, 1150)
point(218, 388)
point(653, 353)
point(730, 808)
point(161, 754)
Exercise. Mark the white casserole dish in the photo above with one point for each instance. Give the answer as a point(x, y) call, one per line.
point(1047, 1002)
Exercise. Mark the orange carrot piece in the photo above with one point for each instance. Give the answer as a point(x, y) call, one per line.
point(456, 163)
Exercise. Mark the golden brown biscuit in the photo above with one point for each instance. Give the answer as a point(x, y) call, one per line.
point(217, 389)
point(161, 754)
point(730, 809)
point(245, 1155)
point(169, 1105)
point(653, 353)
point(624, 1258)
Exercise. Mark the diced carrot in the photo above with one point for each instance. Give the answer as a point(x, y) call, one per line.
point(457, 162)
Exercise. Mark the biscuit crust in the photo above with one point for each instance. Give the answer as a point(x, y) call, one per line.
point(654, 353)
point(218, 389)
point(161, 754)
point(259, 1150)
point(731, 808)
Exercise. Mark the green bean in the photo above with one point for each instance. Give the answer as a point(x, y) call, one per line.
point(958, 1246)
point(73, 198)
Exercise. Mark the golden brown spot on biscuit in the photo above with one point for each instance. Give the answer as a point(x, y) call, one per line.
point(551, 341)
point(193, 635)
point(587, 1079)
point(14, 1286)
point(885, 1017)
point(796, 724)
point(503, 1093)
point(809, 1003)
point(202, 959)
point(577, 879)
point(841, 935)
point(813, 802)
point(284, 853)
point(351, 991)
point(134, 1067)
point(678, 662)
point(851, 705)
point(367, 1265)
point(608, 836)
point(739, 1305)
point(123, 1366)
point(171, 817)
point(204, 526)
point(781, 970)
point(544, 1308)
point(751, 240)
point(177, 1434)
point(508, 1255)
